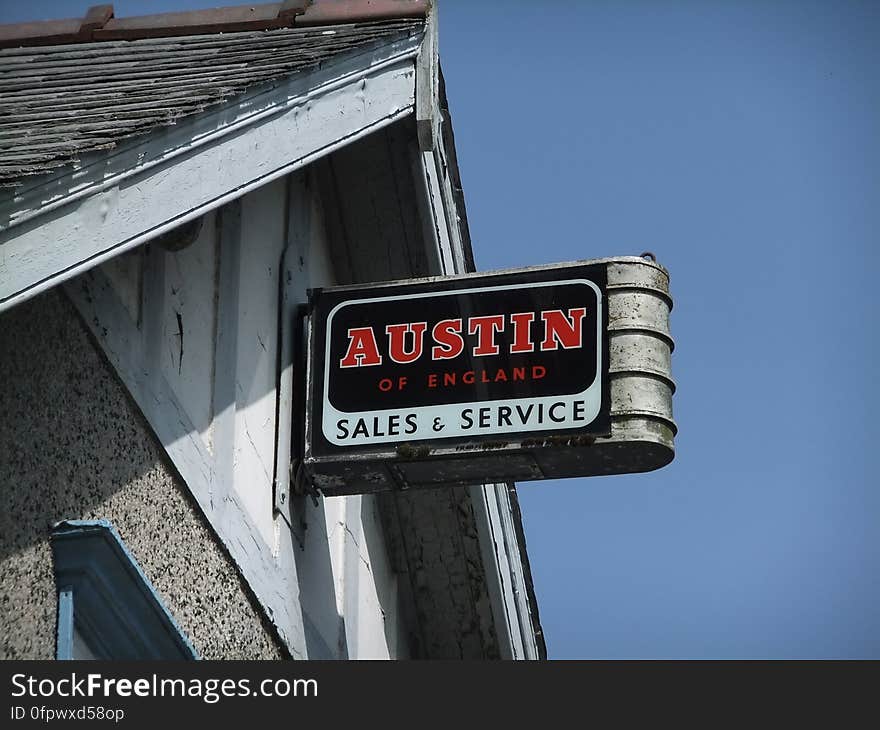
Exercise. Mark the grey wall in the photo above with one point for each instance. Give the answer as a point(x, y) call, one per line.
point(72, 446)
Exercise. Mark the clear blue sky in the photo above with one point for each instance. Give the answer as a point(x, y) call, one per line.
point(739, 141)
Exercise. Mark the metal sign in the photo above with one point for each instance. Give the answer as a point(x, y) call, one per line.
point(459, 380)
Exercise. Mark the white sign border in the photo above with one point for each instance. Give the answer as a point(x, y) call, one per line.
point(425, 415)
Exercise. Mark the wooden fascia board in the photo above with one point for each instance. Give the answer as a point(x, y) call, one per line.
point(66, 223)
point(428, 85)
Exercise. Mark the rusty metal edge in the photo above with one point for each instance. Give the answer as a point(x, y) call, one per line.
point(99, 23)
point(329, 12)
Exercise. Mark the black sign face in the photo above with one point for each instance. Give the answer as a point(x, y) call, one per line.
point(507, 356)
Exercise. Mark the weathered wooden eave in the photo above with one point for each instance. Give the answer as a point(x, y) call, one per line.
point(58, 226)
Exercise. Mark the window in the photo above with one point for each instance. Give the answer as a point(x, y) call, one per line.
point(107, 609)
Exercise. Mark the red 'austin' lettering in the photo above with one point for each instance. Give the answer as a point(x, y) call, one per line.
point(558, 328)
point(522, 334)
point(396, 345)
point(447, 335)
point(561, 329)
point(362, 349)
point(485, 328)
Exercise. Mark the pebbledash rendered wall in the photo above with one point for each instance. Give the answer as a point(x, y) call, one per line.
point(72, 446)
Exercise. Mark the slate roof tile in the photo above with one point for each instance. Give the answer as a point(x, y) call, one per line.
point(60, 101)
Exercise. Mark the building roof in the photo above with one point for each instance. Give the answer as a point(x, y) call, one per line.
point(68, 87)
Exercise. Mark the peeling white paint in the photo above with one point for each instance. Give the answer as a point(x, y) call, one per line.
point(49, 234)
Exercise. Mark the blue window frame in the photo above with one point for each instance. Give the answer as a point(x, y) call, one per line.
point(107, 609)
